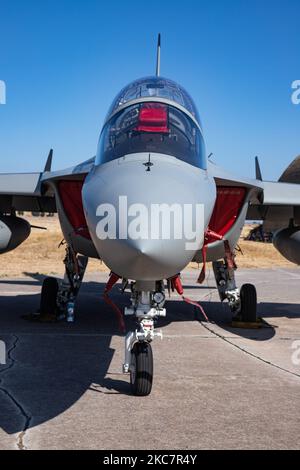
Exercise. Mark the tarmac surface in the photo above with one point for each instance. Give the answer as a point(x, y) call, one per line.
point(215, 387)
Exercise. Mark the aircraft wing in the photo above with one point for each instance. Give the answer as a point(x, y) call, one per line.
point(32, 191)
point(280, 201)
point(19, 183)
point(23, 192)
point(276, 203)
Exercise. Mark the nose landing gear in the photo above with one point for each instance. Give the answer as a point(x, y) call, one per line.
point(138, 350)
point(141, 369)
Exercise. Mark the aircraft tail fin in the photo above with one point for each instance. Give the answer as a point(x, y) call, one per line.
point(158, 56)
point(49, 161)
point(258, 174)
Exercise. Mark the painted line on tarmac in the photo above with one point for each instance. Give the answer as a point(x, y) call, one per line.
point(293, 275)
point(226, 339)
point(107, 335)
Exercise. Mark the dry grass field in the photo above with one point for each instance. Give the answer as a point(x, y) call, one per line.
point(40, 253)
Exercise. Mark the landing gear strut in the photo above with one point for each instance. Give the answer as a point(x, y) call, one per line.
point(75, 266)
point(58, 299)
point(243, 302)
point(146, 307)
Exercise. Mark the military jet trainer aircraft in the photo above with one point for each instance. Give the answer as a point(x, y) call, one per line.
point(147, 204)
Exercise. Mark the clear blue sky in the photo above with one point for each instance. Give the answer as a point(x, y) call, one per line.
point(64, 60)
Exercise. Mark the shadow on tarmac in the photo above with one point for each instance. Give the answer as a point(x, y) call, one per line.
point(50, 366)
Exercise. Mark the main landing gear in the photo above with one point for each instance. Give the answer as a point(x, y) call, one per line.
point(58, 300)
point(147, 305)
point(243, 302)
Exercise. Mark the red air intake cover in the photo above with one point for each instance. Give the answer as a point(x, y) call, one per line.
point(70, 194)
point(227, 207)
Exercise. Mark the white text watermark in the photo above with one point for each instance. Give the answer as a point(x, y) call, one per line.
point(296, 92)
point(296, 353)
point(156, 222)
point(2, 353)
point(2, 92)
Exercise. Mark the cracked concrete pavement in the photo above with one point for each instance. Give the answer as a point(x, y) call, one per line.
point(214, 386)
point(9, 394)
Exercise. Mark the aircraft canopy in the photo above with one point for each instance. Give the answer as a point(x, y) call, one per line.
point(154, 87)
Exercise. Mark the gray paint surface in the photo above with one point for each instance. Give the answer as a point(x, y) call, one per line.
point(170, 181)
point(19, 183)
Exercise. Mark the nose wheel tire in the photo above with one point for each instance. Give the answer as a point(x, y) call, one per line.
point(141, 370)
point(248, 299)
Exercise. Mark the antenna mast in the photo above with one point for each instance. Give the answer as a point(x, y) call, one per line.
point(158, 57)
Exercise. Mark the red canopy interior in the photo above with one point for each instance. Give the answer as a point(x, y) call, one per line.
point(153, 117)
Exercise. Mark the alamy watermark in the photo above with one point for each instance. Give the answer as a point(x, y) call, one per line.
point(296, 93)
point(154, 222)
point(2, 92)
point(2, 353)
point(296, 354)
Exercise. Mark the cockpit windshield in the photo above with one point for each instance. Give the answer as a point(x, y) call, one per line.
point(156, 115)
point(152, 127)
point(155, 87)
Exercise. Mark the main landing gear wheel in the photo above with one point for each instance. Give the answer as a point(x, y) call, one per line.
point(248, 299)
point(48, 306)
point(141, 370)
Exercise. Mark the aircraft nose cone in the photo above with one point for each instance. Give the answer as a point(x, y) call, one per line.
point(136, 259)
point(143, 259)
point(141, 222)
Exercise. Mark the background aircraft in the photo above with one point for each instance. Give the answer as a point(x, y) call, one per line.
point(151, 151)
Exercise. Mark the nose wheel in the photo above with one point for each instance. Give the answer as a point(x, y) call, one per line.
point(141, 369)
point(146, 307)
